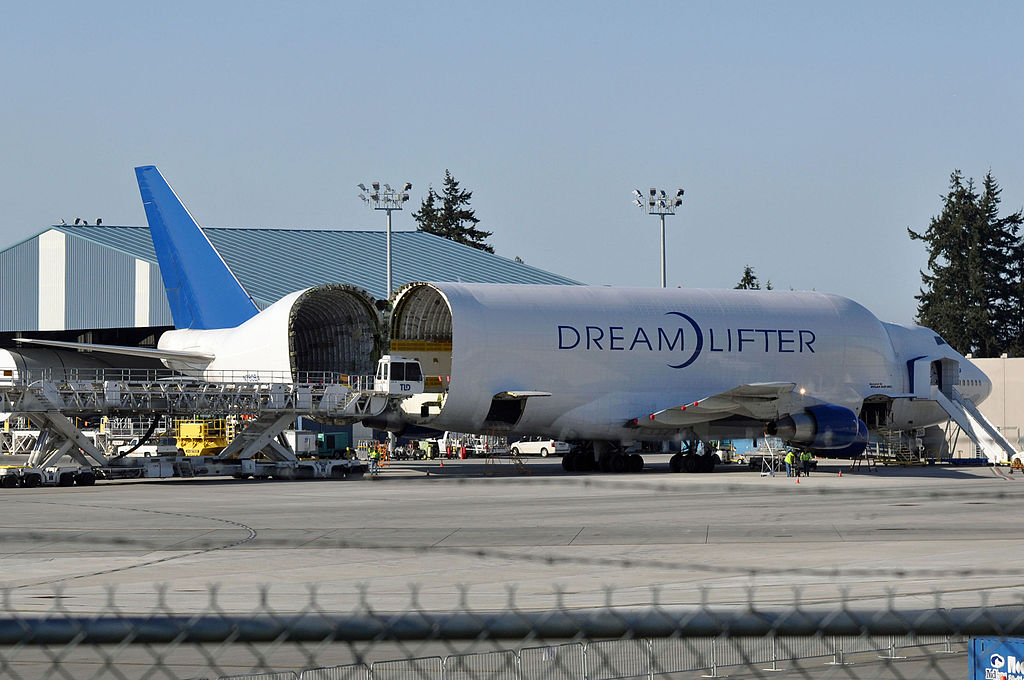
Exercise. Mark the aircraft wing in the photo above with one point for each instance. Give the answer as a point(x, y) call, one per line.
point(148, 352)
point(760, 401)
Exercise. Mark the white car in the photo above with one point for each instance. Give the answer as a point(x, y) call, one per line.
point(544, 446)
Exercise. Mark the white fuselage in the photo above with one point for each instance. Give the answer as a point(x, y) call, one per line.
point(607, 355)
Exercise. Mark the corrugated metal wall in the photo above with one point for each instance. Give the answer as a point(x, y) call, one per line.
point(19, 286)
point(159, 310)
point(99, 286)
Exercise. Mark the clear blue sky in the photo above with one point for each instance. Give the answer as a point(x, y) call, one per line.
point(808, 135)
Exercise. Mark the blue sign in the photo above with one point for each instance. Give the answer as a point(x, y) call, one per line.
point(993, 658)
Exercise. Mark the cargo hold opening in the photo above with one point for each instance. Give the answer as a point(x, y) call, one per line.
point(335, 329)
point(421, 329)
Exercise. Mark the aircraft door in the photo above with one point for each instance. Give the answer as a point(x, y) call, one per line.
point(927, 372)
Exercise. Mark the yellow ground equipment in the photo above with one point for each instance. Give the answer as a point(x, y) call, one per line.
point(203, 437)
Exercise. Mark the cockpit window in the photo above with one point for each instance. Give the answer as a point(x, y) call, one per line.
point(939, 341)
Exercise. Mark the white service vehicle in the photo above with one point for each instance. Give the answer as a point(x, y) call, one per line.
point(155, 446)
point(538, 446)
point(398, 376)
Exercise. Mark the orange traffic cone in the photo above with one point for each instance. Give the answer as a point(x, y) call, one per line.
point(840, 473)
point(797, 480)
point(442, 465)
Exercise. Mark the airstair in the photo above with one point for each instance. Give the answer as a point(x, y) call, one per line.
point(986, 436)
point(891, 447)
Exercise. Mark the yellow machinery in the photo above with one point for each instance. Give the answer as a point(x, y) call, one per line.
point(203, 437)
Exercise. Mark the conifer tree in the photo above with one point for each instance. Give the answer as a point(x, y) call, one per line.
point(749, 280)
point(1004, 257)
point(449, 216)
point(972, 287)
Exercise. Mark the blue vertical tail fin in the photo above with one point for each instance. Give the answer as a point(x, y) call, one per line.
point(201, 290)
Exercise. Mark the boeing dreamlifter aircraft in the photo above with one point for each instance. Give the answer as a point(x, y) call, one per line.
point(601, 367)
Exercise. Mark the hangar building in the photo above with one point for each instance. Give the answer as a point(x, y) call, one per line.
point(102, 283)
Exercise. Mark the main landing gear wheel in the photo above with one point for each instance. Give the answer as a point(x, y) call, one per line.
point(569, 462)
point(675, 463)
point(583, 461)
point(706, 463)
point(617, 463)
point(690, 463)
point(634, 463)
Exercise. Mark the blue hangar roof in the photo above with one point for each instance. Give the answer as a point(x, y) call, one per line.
point(271, 263)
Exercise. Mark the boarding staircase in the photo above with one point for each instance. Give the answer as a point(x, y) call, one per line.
point(986, 436)
point(892, 448)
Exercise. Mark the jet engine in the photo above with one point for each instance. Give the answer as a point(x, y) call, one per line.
point(828, 427)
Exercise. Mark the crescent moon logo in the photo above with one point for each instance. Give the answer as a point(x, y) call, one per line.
point(700, 341)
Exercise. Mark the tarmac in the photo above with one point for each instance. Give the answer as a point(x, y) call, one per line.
point(449, 535)
point(449, 528)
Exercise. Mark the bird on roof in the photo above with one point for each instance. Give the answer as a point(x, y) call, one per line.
point(77, 220)
point(99, 221)
point(63, 223)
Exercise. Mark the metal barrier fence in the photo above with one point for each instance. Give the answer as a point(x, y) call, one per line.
point(625, 659)
point(74, 639)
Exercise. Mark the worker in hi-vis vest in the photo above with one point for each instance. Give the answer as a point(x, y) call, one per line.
point(805, 461)
point(790, 460)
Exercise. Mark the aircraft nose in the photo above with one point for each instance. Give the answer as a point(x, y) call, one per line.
point(986, 385)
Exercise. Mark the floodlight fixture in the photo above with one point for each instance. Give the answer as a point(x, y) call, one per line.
point(362, 187)
point(386, 200)
point(658, 203)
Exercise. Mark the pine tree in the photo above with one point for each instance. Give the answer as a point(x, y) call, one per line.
point(972, 288)
point(453, 219)
point(1003, 259)
point(945, 296)
point(749, 280)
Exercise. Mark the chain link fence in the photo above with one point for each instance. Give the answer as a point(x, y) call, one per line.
point(321, 638)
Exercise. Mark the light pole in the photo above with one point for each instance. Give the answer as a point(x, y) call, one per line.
point(387, 199)
point(658, 203)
